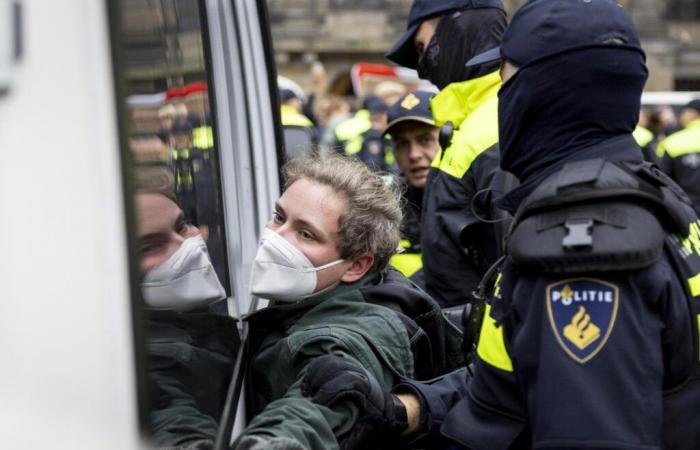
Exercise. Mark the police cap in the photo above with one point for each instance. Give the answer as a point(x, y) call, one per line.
point(286, 95)
point(404, 53)
point(374, 104)
point(544, 28)
point(412, 107)
point(693, 104)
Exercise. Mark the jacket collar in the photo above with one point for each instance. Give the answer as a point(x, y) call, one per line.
point(458, 100)
point(286, 308)
point(618, 148)
point(694, 124)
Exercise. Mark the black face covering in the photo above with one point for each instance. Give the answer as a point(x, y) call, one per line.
point(557, 110)
point(458, 37)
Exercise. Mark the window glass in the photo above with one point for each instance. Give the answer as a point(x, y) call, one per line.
point(191, 341)
point(170, 114)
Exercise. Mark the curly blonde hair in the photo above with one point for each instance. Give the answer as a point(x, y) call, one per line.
point(371, 224)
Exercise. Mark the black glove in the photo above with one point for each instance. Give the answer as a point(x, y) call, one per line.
point(330, 378)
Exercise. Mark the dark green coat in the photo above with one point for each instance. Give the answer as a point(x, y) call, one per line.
point(286, 337)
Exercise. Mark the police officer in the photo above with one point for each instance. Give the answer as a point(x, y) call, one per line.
point(290, 110)
point(300, 135)
point(361, 136)
point(680, 153)
point(590, 339)
point(416, 143)
point(459, 247)
point(646, 138)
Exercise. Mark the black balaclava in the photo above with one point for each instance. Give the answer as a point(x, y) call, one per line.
point(459, 36)
point(558, 109)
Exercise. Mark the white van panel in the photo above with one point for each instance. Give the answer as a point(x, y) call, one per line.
point(67, 378)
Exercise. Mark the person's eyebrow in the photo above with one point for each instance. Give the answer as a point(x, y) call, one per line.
point(151, 237)
point(304, 223)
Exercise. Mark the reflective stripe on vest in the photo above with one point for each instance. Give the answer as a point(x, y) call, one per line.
point(407, 263)
point(389, 158)
point(698, 316)
point(642, 136)
point(694, 285)
point(354, 126)
point(353, 145)
point(181, 154)
point(472, 107)
point(681, 142)
point(203, 137)
point(492, 347)
point(292, 118)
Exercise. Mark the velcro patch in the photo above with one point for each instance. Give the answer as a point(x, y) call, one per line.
point(582, 313)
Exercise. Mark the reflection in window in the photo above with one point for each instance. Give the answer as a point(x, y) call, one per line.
point(170, 114)
point(191, 340)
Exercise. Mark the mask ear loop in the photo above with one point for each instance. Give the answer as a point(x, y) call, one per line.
point(476, 214)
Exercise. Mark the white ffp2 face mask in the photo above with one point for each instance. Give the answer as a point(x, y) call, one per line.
point(281, 271)
point(185, 281)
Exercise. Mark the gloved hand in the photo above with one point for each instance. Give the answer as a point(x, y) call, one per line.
point(331, 378)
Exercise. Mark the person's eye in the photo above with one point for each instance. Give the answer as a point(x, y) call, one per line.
point(419, 51)
point(401, 145)
point(183, 226)
point(150, 248)
point(306, 235)
point(277, 218)
point(425, 140)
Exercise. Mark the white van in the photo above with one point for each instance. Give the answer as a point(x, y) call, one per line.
point(86, 90)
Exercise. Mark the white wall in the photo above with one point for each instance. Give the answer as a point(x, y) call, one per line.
point(66, 377)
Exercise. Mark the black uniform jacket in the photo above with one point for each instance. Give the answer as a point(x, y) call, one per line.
point(594, 359)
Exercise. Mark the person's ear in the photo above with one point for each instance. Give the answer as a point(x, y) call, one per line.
point(360, 266)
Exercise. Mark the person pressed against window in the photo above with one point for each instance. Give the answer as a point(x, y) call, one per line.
point(307, 215)
point(322, 262)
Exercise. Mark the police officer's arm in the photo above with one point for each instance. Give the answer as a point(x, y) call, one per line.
point(424, 405)
point(412, 405)
point(427, 404)
point(600, 386)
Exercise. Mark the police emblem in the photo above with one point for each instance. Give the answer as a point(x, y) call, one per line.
point(375, 148)
point(582, 313)
point(410, 102)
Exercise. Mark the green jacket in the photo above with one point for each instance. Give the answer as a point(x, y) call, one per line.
point(287, 337)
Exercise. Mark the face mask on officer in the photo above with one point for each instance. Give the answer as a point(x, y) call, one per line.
point(458, 36)
point(282, 272)
point(185, 281)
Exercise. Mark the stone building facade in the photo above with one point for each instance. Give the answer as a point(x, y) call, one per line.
point(341, 32)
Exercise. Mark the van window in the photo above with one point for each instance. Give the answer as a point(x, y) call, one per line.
point(169, 110)
point(191, 341)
